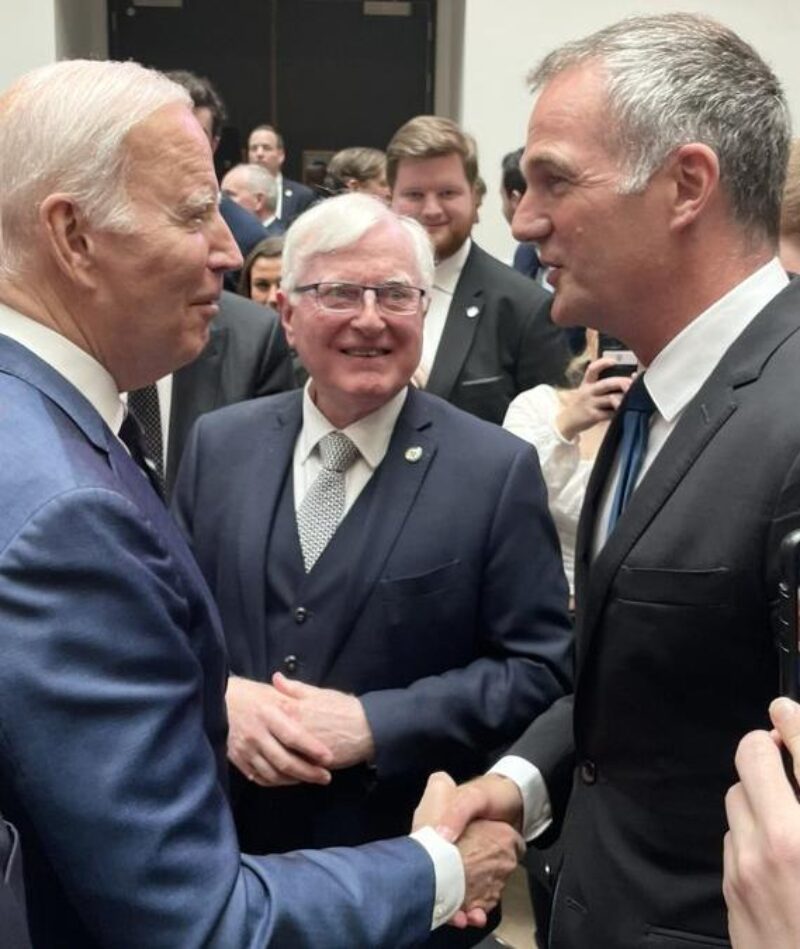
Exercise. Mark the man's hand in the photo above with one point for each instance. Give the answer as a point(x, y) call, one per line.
point(762, 848)
point(336, 719)
point(455, 813)
point(266, 740)
point(451, 809)
point(490, 851)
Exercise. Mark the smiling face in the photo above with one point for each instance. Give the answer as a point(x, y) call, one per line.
point(157, 287)
point(605, 249)
point(357, 363)
point(435, 192)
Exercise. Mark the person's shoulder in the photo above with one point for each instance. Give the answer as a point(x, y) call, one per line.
point(240, 314)
point(466, 433)
point(501, 277)
point(252, 414)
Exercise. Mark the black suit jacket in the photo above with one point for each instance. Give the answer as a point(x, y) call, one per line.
point(246, 356)
point(296, 199)
point(676, 656)
point(498, 340)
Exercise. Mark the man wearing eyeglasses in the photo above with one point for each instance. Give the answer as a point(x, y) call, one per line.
point(385, 564)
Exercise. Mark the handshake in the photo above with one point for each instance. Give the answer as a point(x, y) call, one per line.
point(482, 818)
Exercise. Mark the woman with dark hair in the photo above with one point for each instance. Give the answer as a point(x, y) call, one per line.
point(358, 169)
point(260, 278)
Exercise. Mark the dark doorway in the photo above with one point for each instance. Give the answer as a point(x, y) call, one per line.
point(327, 73)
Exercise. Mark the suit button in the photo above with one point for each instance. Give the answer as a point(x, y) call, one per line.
point(300, 614)
point(588, 772)
point(290, 665)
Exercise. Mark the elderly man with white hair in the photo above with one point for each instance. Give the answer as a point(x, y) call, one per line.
point(386, 567)
point(112, 717)
point(255, 189)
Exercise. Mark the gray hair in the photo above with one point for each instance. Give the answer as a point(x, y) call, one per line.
point(340, 222)
point(260, 181)
point(679, 78)
point(62, 129)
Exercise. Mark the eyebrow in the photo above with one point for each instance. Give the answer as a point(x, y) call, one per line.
point(200, 201)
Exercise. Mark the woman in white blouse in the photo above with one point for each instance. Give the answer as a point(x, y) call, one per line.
point(566, 426)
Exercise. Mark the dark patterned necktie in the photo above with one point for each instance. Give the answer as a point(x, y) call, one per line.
point(637, 409)
point(146, 409)
point(323, 506)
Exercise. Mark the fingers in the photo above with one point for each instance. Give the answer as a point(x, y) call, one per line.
point(439, 791)
point(490, 851)
point(763, 780)
point(291, 687)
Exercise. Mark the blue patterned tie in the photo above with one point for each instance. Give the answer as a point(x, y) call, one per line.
point(637, 409)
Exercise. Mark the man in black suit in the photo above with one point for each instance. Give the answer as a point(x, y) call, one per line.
point(488, 334)
point(655, 161)
point(265, 147)
point(246, 357)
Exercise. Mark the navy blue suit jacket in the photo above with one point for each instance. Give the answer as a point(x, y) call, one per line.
point(112, 717)
point(450, 621)
point(297, 198)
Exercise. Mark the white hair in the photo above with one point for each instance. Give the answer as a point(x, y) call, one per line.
point(260, 180)
point(340, 222)
point(62, 129)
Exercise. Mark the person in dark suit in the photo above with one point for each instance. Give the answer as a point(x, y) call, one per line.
point(655, 163)
point(488, 333)
point(418, 639)
point(265, 147)
point(255, 189)
point(246, 357)
point(13, 924)
point(112, 759)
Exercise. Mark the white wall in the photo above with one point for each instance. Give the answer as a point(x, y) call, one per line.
point(504, 39)
point(27, 37)
point(36, 32)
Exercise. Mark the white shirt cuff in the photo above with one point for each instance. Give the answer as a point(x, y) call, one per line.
point(448, 870)
point(537, 814)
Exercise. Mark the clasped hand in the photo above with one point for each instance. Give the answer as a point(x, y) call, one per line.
point(481, 817)
point(291, 733)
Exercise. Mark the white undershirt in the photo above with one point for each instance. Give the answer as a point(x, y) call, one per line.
point(446, 277)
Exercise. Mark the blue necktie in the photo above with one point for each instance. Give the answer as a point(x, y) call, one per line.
point(637, 409)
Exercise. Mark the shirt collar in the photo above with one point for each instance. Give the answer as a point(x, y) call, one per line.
point(83, 371)
point(449, 270)
point(679, 371)
point(371, 434)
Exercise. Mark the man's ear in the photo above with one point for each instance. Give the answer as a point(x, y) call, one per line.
point(67, 236)
point(694, 169)
point(286, 311)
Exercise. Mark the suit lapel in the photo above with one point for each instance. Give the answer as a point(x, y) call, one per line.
point(394, 487)
point(463, 317)
point(700, 422)
point(258, 492)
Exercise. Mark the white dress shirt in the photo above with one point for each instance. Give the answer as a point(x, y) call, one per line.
point(673, 379)
point(371, 435)
point(445, 279)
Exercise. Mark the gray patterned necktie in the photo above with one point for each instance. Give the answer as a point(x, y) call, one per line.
point(146, 408)
point(323, 506)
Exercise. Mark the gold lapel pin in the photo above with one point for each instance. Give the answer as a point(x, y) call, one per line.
point(413, 454)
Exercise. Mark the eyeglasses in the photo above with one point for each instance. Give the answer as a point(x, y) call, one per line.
point(347, 299)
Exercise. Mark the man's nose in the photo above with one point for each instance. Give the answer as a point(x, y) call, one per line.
point(431, 206)
point(224, 253)
point(369, 317)
point(529, 222)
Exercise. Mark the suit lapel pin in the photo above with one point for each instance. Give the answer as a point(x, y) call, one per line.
point(473, 311)
point(414, 454)
point(288, 192)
